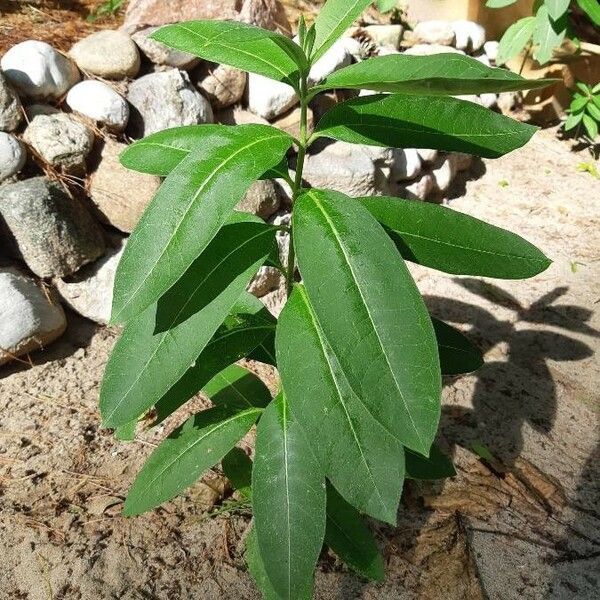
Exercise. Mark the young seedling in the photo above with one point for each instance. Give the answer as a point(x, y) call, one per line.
point(359, 357)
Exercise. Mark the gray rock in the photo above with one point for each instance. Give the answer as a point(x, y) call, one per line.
point(386, 35)
point(491, 50)
point(108, 54)
point(162, 55)
point(434, 32)
point(12, 156)
point(89, 292)
point(337, 57)
point(268, 98)
point(420, 189)
point(164, 100)
point(120, 195)
point(470, 36)
point(11, 112)
point(222, 85)
point(54, 234)
point(406, 165)
point(266, 280)
point(100, 103)
point(33, 110)
point(238, 116)
point(262, 199)
point(61, 141)
point(29, 318)
point(38, 71)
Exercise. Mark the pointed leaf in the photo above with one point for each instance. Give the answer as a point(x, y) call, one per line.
point(126, 433)
point(371, 313)
point(288, 499)
point(159, 346)
point(548, 35)
point(440, 74)
point(362, 459)
point(189, 209)
point(499, 3)
point(590, 126)
point(350, 538)
point(236, 387)
point(333, 20)
point(453, 242)
point(438, 122)
point(593, 111)
point(437, 466)
point(592, 9)
point(240, 45)
point(515, 38)
point(386, 5)
point(257, 568)
point(237, 467)
point(573, 120)
point(458, 354)
point(200, 443)
point(557, 8)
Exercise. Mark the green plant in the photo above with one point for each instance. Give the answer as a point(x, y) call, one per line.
point(584, 110)
point(360, 358)
point(544, 31)
point(106, 9)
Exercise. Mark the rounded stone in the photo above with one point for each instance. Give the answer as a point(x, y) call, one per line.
point(470, 36)
point(12, 156)
point(434, 32)
point(60, 140)
point(159, 54)
point(222, 85)
point(11, 111)
point(37, 70)
point(99, 102)
point(108, 54)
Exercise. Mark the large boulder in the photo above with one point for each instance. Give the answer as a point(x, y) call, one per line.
point(29, 317)
point(11, 112)
point(164, 100)
point(12, 156)
point(61, 141)
point(120, 195)
point(100, 103)
point(108, 54)
point(53, 233)
point(38, 71)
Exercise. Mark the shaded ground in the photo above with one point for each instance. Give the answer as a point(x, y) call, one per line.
point(523, 524)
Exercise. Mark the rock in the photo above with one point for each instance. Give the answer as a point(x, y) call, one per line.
point(11, 111)
point(290, 122)
point(262, 199)
point(386, 35)
point(419, 190)
point(164, 100)
point(89, 292)
point(268, 14)
point(238, 116)
point(29, 319)
point(12, 156)
point(37, 70)
point(346, 168)
point(54, 234)
point(470, 36)
point(430, 49)
point(33, 110)
point(337, 57)
point(162, 55)
point(120, 195)
point(222, 85)
point(473, 98)
point(434, 32)
point(508, 101)
point(427, 155)
point(406, 164)
point(61, 141)
point(266, 280)
point(108, 54)
point(489, 100)
point(99, 102)
point(463, 161)
point(268, 98)
point(444, 172)
point(483, 59)
point(491, 50)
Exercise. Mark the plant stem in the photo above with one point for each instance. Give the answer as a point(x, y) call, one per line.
point(297, 187)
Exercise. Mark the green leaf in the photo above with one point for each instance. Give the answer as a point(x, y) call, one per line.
point(161, 152)
point(573, 120)
point(243, 332)
point(499, 3)
point(158, 347)
point(237, 467)
point(592, 9)
point(515, 38)
point(440, 74)
point(557, 8)
point(458, 354)
point(590, 126)
point(548, 35)
point(189, 209)
point(578, 104)
point(257, 568)
point(239, 45)
point(386, 5)
point(437, 466)
point(362, 459)
point(200, 443)
point(126, 433)
point(453, 242)
point(333, 20)
point(237, 388)
point(593, 111)
point(350, 538)
point(288, 501)
point(438, 122)
point(371, 313)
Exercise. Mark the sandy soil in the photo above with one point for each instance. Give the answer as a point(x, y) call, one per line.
point(523, 525)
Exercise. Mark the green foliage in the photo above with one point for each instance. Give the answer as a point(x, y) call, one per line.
point(359, 356)
point(584, 111)
point(107, 9)
point(542, 32)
